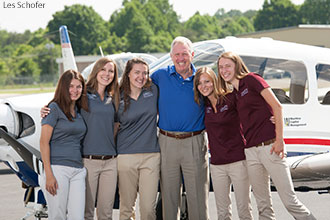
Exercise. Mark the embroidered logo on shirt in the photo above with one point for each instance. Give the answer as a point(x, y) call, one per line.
point(93, 96)
point(224, 108)
point(147, 94)
point(244, 92)
point(208, 110)
point(108, 101)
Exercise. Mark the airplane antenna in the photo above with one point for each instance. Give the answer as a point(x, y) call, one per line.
point(101, 51)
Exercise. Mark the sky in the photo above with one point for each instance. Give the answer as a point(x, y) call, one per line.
point(16, 17)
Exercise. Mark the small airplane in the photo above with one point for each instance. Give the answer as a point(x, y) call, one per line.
point(298, 74)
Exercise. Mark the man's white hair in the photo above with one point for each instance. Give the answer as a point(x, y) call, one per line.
point(182, 40)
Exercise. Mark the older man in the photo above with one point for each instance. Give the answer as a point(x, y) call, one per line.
point(181, 139)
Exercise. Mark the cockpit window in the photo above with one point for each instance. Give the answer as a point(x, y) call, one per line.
point(207, 54)
point(287, 78)
point(323, 83)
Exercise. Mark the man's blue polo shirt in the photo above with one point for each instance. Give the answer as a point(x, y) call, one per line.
point(176, 106)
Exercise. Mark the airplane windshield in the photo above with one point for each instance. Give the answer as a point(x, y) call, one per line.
point(287, 78)
point(323, 83)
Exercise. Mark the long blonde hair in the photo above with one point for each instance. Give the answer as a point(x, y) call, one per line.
point(218, 91)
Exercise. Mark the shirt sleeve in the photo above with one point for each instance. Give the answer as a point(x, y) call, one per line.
point(257, 82)
point(84, 114)
point(155, 77)
point(52, 118)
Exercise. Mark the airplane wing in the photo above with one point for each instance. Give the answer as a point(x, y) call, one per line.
point(30, 155)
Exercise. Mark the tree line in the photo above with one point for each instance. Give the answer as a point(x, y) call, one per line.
point(138, 26)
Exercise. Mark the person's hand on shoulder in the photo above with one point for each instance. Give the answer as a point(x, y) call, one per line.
point(44, 111)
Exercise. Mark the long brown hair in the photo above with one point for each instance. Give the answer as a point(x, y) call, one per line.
point(125, 86)
point(218, 91)
point(241, 69)
point(113, 88)
point(62, 95)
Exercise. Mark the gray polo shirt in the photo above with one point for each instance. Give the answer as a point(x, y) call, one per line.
point(65, 143)
point(99, 139)
point(138, 124)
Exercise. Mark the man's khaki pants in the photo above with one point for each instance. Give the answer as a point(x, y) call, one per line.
point(187, 157)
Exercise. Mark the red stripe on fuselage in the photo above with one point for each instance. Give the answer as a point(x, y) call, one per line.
point(307, 141)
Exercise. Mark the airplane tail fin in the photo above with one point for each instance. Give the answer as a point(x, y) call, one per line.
point(67, 52)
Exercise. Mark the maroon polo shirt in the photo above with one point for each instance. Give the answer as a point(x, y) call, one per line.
point(223, 131)
point(254, 112)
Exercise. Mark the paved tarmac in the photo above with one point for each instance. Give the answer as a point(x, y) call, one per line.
point(12, 206)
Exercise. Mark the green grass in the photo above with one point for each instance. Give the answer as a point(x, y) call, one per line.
point(42, 85)
point(27, 90)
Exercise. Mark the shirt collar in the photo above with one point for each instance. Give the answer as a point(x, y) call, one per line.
point(173, 71)
point(95, 95)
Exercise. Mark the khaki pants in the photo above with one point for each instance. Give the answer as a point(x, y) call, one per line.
point(222, 178)
point(138, 173)
point(187, 157)
point(101, 183)
point(261, 164)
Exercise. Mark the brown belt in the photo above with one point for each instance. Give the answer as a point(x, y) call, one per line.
point(266, 142)
point(180, 136)
point(99, 157)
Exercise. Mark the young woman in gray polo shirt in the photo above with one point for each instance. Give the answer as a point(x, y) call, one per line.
point(62, 131)
point(99, 151)
point(137, 144)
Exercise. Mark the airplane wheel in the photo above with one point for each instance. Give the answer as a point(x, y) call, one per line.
point(184, 207)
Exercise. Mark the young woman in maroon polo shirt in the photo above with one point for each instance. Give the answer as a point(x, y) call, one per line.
point(264, 149)
point(228, 165)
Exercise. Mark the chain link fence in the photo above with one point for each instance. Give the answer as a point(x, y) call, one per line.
point(8, 81)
